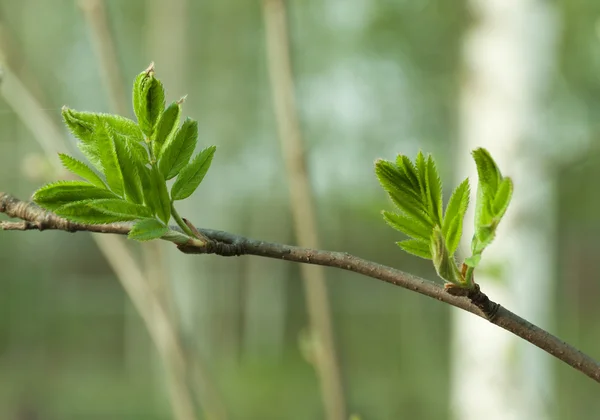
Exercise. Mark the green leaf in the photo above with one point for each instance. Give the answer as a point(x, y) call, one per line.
point(101, 211)
point(107, 154)
point(148, 100)
point(82, 212)
point(416, 247)
point(503, 197)
point(421, 166)
point(178, 149)
point(81, 124)
point(407, 225)
point(192, 175)
point(487, 171)
point(128, 167)
point(147, 229)
point(122, 208)
point(410, 171)
point(163, 202)
point(454, 216)
point(168, 123)
point(433, 186)
point(123, 126)
point(57, 194)
point(443, 261)
point(400, 191)
point(484, 236)
point(473, 261)
point(81, 169)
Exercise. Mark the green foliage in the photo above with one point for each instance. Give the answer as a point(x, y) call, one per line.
point(166, 127)
point(178, 149)
point(148, 100)
point(416, 190)
point(192, 174)
point(494, 193)
point(133, 163)
point(147, 229)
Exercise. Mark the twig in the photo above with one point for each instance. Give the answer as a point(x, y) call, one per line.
point(302, 206)
point(228, 244)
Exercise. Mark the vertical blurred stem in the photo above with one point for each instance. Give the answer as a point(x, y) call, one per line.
point(302, 205)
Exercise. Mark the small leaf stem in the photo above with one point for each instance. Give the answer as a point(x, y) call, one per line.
point(180, 222)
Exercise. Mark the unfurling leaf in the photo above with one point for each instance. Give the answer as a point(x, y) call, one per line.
point(400, 190)
point(127, 164)
point(416, 247)
point(147, 229)
point(433, 186)
point(168, 123)
point(487, 171)
point(107, 154)
point(81, 169)
point(163, 209)
point(57, 194)
point(443, 260)
point(148, 100)
point(503, 197)
point(454, 216)
point(192, 175)
point(178, 149)
point(407, 225)
point(102, 211)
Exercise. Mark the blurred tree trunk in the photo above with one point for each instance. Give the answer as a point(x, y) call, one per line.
point(507, 55)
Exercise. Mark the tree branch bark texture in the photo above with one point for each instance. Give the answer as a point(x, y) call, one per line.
point(228, 244)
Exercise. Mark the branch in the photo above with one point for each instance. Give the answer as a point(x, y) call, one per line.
point(228, 244)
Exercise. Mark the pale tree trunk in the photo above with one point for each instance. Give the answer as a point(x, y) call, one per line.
point(507, 54)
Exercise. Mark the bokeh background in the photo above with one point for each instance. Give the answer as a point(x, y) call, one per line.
point(372, 79)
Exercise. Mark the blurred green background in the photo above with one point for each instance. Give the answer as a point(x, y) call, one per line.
point(372, 79)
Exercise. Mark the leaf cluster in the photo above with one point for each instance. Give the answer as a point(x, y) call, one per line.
point(129, 164)
point(434, 233)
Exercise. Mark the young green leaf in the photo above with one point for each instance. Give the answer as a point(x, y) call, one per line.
point(81, 169)
point(147, 229)
point(487, 171)
point(502, 198)
point(97, 211)
point(57, 194)
point(168, 123)
point(433, 186)
point(443, 261)
point(416, 247)
point(407, 225)
point(421, 166)
point(454, 216)
point(192, 175)
point(400, 191)
point(81, 124)
point(82, 212)
point(148, 100)
point(410, 171)
point(122, 208)
point(178, 149)
point(162, 204)
point(127, 164)
point(107, 153)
